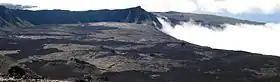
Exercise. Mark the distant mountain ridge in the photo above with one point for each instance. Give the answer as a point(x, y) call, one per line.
point(21, 18)
point(130, 15)
point(9, 19)
point(25, 18)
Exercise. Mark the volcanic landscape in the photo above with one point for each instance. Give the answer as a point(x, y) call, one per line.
point(124, 45)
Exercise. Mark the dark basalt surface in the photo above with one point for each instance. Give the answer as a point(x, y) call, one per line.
point(160, 58)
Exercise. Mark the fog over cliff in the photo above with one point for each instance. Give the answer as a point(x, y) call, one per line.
point(264, 39)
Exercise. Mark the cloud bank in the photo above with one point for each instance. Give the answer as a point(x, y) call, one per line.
point(14, 6)
point(231, 6)
point(264, 39)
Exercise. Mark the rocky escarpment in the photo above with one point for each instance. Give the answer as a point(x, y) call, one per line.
point(9, 19)
point(131, 15)
point(25, 18)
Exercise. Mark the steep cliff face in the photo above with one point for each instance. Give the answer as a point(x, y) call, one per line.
point(130, 15)
point(25, 18)
point(9, 19)
point(136, 15)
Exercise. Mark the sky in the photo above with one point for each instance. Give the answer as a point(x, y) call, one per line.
point(257, 10)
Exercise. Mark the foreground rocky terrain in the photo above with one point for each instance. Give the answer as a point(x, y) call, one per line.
point(123, 51)
point(127, 53)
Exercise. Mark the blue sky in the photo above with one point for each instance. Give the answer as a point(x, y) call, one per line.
point(260, 17)
point(257, 10)
point(275, 17)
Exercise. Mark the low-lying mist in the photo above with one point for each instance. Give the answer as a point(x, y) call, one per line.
point(263, 39)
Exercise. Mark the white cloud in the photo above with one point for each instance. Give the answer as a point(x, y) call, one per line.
point(262, 39)
point(232, 6)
